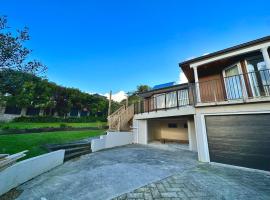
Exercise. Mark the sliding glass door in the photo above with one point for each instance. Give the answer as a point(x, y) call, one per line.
point(233, 82)
point(259, 77)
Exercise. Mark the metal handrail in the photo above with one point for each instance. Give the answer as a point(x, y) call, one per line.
point(241, 86)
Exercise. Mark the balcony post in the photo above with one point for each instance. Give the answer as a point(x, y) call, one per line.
point(197, 86)
point(165, 101)
point(266, 57)
point(177, 100)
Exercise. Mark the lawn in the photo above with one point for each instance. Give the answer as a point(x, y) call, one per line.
point(29, 125)
point(35, 142)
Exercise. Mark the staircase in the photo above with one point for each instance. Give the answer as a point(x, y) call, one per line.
point(72, 150)
point(121, 119)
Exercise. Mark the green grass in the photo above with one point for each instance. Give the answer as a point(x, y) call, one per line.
point(35, 142)
point(29, 125)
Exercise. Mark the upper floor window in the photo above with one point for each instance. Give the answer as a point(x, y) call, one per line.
point(169, 100)
point(159, 101)
point(259, 76)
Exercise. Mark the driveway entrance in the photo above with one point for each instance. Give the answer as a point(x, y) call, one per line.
point(107, 174)
point(146, 172)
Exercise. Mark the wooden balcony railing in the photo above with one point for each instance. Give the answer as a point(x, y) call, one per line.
point(167, 100)
point(249, 85)
point(243, 86)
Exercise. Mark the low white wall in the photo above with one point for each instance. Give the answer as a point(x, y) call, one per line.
point(7, 117)
point(112, 139)
point(25, 170)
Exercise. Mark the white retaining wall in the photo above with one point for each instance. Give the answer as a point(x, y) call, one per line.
point(7, 117)
point(25, 170)
point(112, 139)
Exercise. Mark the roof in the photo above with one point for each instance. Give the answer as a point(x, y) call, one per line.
point(186, 64)
point(164, 85)
point(244, 45)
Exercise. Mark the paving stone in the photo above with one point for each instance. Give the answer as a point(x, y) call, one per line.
point(135, 195)
point(208, 183)
point(169, 194)
point(175, 189)
point(148, 196)
point(155, 193)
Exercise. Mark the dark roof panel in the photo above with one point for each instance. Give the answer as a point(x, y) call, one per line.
point(240, 46)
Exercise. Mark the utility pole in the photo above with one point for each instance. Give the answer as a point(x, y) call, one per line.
point(127, 101)
point(110, 103)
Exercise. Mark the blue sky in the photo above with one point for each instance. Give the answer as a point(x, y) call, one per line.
point(99, 45)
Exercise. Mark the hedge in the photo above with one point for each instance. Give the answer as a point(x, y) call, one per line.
point(59, 119)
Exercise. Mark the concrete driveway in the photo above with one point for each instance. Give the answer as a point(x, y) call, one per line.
point(146, 172)
point(107, 174)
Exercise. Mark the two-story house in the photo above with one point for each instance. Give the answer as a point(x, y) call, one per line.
point(223, 112)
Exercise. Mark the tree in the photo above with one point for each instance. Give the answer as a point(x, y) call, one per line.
point(133, 97)
point(13, 53)
point(143, 88)
point(26, 90)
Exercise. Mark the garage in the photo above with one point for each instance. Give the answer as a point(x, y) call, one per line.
point(178, 131)
point(168, 130)
point(241, 140)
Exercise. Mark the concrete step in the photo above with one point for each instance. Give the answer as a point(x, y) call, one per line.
point(76, 154)
point(77, 149)
point(68, 146)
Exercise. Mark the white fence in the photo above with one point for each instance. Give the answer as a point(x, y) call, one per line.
point(112, 139)
point(25, 170)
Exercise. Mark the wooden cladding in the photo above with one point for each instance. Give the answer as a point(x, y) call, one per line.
point(212, 88)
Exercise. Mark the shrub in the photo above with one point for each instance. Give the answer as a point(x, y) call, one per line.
point(63, 126)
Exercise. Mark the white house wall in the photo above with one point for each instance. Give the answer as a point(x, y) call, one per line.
point(143, 132)
point(140, 130)
point(158, 129)
point(181, 111)
point(192, 135)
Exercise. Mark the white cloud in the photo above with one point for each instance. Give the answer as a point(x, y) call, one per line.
point(189, 58)
point(205, 54)
point(119, 96)
point(182, 78)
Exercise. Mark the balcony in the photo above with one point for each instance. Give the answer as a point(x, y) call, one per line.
point(241, 88)
point(246, 87)
point(167, 100)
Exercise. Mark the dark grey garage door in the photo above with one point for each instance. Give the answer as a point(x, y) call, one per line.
point(242, 140)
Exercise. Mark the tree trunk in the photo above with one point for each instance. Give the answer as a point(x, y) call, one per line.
point(23, 111)
point(41, 112)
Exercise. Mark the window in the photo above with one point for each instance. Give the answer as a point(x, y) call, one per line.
point(159, 101)
point(13, 110)
point(171, 100)
point(234, 82)
point(183, 97)
point(172, 125)
point(258, 75)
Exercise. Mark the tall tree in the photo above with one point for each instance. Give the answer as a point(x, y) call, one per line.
point(13, 53)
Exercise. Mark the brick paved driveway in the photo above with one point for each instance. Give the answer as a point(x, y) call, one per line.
point(206, 181)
